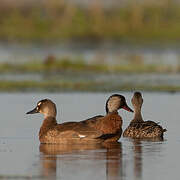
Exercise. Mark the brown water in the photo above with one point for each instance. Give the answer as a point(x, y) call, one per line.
point(22, 157)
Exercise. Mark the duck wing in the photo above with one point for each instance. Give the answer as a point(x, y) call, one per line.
point(98, 127)
point(92, 120)
point(77, 130)
point(110, 126)
point(146, 129)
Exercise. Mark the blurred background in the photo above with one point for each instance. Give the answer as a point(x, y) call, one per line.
point(89, 45)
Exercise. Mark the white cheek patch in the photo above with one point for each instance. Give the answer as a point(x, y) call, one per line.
point(39, 103)
point(113, 104)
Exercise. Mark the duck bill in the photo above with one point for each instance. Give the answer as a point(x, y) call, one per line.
point(127, 108)
point(33, 111)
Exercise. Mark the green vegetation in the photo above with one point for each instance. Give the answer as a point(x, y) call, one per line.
point(77, 75)
point(56, 21)
point(67, 65)
point(85, 74)
point(50, 86)
point(45, 86)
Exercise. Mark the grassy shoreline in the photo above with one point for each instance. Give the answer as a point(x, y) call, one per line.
point(59, 21)
point(67, 65)
point(87, 83)
point(33, 86)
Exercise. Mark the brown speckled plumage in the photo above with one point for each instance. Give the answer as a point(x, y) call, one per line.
point(139, 128)
point(147, 129)
point(94, 130)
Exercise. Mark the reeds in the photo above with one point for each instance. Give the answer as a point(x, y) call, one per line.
point(81, 66)
point(54, 21)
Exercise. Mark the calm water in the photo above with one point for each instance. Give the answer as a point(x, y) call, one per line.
point(106, 52)
point(111, 80)
point(23, 157)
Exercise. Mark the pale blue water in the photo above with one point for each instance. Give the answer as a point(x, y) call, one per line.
point(105, 52)
point(22, 156)
point(111, 80)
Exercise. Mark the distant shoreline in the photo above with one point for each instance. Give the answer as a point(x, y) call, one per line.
point(53, 65)
point(32, 86)
point(56, 21)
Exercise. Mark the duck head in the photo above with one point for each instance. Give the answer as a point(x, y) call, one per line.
point(45, 107)
point(116, 102)
point(137, 100)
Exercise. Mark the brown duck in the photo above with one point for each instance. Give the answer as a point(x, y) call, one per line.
point(96, 130)
point(111, 123)
point(138, 128)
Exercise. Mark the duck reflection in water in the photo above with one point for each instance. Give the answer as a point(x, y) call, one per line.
point(137, 148)
point(144, 148)
point(103, 161)
point(114, 165)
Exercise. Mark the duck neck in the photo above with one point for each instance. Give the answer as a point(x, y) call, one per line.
point(111, 112)
point(48, 123)
point(137, 115)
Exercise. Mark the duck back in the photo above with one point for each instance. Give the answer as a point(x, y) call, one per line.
point(146, 129)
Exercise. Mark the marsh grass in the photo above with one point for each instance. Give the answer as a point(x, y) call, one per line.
point(66, 64)
point(53, 21)
point(69, 68)
point(61, 86)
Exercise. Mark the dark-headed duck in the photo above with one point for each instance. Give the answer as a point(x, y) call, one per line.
point(111, 123)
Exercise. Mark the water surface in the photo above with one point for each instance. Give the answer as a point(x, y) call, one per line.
point(111, 80)
point(105, 52)
point(23, 157)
